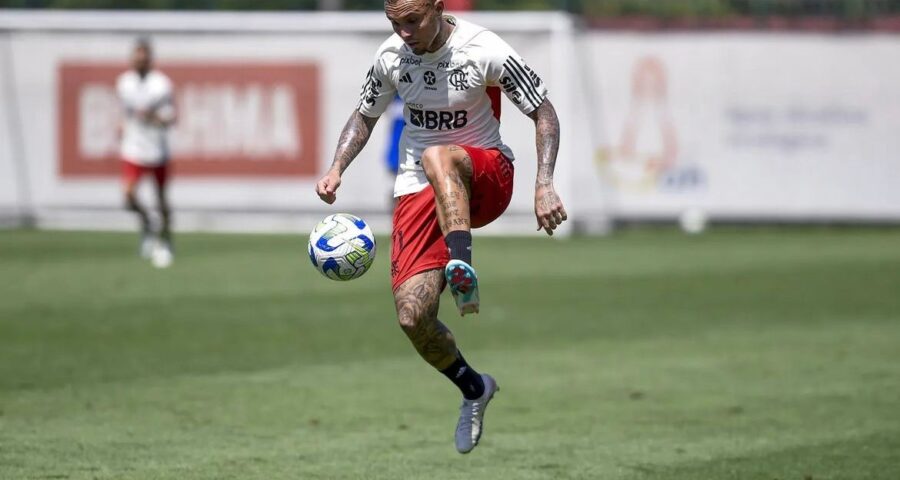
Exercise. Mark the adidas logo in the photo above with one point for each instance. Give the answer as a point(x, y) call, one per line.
point(406, 78)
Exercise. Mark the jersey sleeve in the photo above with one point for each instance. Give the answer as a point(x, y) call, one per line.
point(507, 69)
point(378, 91)
point(120, 93)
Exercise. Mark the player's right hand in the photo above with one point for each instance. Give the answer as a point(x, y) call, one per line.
point(327, 185)
point(548, 209)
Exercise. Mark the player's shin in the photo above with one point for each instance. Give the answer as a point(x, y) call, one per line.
point(449, 171)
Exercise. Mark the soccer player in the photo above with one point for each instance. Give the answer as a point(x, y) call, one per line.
point(146, 98)
point(455, 174)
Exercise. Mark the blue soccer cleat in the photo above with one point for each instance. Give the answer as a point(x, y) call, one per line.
point(463, 285)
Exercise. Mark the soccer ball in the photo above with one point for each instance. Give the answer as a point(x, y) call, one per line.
point(342, 247)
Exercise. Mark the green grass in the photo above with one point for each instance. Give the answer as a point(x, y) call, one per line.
point(740, 354)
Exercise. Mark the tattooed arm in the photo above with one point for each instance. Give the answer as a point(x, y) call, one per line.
point(353, 138)
point(548, 208)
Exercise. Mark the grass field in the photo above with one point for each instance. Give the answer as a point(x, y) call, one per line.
point(740, 354)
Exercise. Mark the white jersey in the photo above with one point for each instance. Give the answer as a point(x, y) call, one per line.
point(145, 143)
point(447, 94)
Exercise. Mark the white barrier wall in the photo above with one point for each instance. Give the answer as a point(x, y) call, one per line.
point(262, 100)
point(10, 201)
point(745, 126)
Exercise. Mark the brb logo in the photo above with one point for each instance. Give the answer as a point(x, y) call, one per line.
point(436, 120)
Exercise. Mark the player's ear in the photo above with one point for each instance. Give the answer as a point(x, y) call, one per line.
point(439, 7)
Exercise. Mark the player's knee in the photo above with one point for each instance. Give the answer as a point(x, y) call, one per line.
point(436, 160)
point(408, 321)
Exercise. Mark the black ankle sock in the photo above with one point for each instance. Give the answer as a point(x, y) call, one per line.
point(460, 244)
point(465, 377)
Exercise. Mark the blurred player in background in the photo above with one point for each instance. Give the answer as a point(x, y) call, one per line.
point(455, 172)
point(147, 100)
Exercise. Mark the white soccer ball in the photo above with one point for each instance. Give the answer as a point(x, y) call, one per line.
point(342, 247)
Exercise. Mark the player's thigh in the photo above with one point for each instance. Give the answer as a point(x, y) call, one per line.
point(131, 175)
point(417, 299)
point(417, 244)
point(492, 185)
point(161, 174)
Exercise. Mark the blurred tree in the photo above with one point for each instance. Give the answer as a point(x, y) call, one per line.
point(515, 4)
point(664, 9)
point(330, 4)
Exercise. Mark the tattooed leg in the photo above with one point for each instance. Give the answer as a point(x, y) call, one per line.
point(449, 171)
point(417, 302)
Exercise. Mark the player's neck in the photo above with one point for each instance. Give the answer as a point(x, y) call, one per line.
point(442, 36)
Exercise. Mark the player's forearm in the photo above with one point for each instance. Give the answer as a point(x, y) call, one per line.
point(353, 138)
point(162, 122)
point(547, 138)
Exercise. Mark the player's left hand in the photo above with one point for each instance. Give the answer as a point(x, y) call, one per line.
point(548, 208)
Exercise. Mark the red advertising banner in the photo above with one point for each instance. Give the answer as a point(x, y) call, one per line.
point(234, 119)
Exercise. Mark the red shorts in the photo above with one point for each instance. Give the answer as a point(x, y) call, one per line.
point(132, 172)
point(417, 243)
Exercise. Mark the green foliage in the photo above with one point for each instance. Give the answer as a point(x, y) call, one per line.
point(666, 9)
point(519, 4)
point(662, 9)
point(169, 4)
